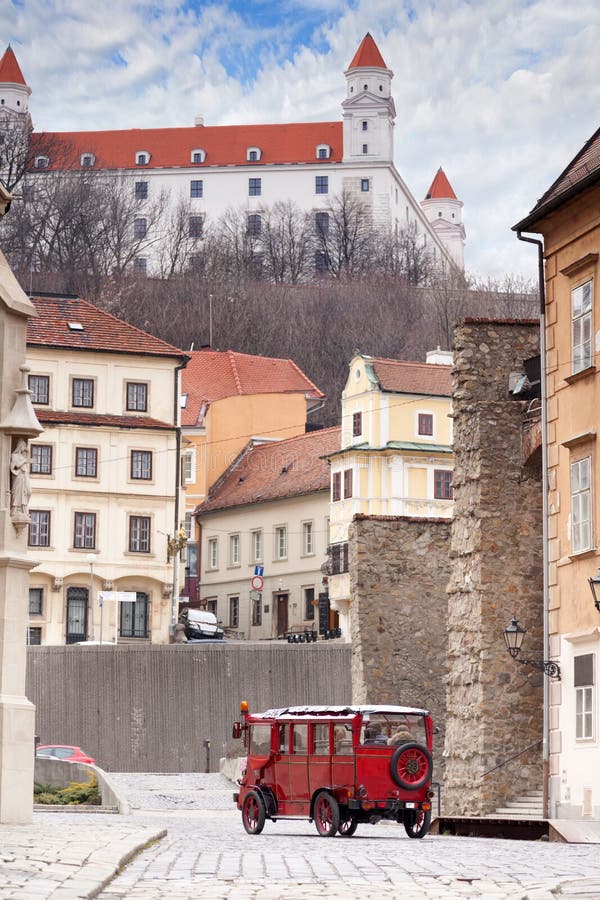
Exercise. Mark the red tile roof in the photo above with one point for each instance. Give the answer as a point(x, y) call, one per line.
point(275, 471)
point(440, 189)
point(10, 70)
point(367, 55)
point(224, 145)
point(583, 171)
point(101, 330)
point(56, 417)
point(214, 374)
point(400, 377)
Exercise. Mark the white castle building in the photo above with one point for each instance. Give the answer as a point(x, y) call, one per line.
point(250, 167)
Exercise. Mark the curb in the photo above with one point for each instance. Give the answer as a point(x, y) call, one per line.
point(98, 871)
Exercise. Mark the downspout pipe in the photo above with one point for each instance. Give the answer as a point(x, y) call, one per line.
point(545, 575)
point(177, 423)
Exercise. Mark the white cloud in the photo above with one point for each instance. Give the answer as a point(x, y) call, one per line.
point(501, 93)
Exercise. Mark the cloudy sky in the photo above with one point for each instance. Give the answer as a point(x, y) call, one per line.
point(501, 93)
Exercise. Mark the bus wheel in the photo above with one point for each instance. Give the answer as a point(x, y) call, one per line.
point(253, 813)
point(327, 814)
point(418, 824)
point(347, 827)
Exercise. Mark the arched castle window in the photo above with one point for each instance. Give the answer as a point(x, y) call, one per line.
point(198, 156)
point(253, 154)
point(323, 151)
point(142, 158)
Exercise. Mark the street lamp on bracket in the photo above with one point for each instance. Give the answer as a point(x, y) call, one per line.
point(513, 638)
point(594, 583)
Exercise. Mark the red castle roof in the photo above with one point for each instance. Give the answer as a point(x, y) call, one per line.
point(10, 70)
point(440, 189)
point(367, 55)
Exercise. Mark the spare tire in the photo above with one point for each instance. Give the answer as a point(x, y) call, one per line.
point(411, 766)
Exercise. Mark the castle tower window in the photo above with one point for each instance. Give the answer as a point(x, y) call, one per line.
point(198, 156)
point(253, 154)
point(365, 125)
point(364, 185)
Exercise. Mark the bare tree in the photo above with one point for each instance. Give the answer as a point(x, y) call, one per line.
point(403, 253)
point(344, 236)
point(286, 242)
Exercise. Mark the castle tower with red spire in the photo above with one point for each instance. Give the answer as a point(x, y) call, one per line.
point(14, 92)
point(444, 212)
point(368, 109)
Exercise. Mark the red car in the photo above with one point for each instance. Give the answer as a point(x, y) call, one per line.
point(64, 751)
point(338, 766)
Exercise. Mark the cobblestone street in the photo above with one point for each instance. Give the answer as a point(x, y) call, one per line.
point(207, 852)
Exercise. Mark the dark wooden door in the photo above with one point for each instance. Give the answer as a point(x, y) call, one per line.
point(282, 613)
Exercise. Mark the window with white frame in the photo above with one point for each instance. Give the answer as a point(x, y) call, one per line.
point(234, 549)
point(39, 385)
point(584, 696)
point(308, 538)
point(189, 466)
point(581, 306)
point(196, 189)
point(41, 162)
point(36, 601)
point(211, 605)
point(142, 158)
point(257, 546)
point(356, 424)
point(425, 424)
point(323, 151)
point(309, 603)
point(141, 465)
point(213, 553)
point(84, 531)
point(141, 190)
point(347, 483)
point(41, 459)
point(87, 160)
point(139, 534)
point(581, 505)
point(197, 156)
point(137, 396)
point(234, 612)
point(39, 528)
point(253, 154)
point(281, 542)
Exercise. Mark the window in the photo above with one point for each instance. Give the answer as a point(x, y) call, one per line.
point(336, 486)
point(321, 184)
point(234, 549)
point(196, 226)
point(365, 87)
point(365, 125)
point(581, 300)
point(254, 187)
point(197, 156)
point(196, 188)
point(142, 158)
point(137, 396)
point(42, 162)
point(191, 560)
point(139, 534)
point(323, 151)
point(257, 546)
point(213, 553)
point(140, 265)
point(308, 539)
point(39, 385)
point(87, 160)
point(322, 154)
point(86, 462)
point(189, 466)
point(41, 459)
point(322, 223)
point(253, 154)
point(281, 542)
point(339, 558)
point(134, 617)
point(309, 608)
point(356, 424)
point(442, 484)
point(364, 185)
point(84, 533)
point(584, 696)
point(257, 610)
point(36, 601)
point(254, 224)
point(39, 528)
point(83, 392)
point(365, 148)
point(234, 612)
point(141, 190)
point(140, 228)
point(581, 505)
point(211, 605)
point(141, 464)
point(425, 424)
point(347, 483)
point(34, 636)
point(321, 266)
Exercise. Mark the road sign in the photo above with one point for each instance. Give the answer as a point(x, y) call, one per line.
point(259, 570)
point(257, 582)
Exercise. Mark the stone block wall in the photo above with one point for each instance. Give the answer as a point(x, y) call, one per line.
point(399, 570)
point(494, 705)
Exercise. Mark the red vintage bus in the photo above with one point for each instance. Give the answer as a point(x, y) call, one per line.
point(340, 766)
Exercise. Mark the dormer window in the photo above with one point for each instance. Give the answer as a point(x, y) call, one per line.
point(323, 151)
point(87, 160)
point(253, 154)
point(365, 87)
point(42, 162)
point(142, 158)
point(198, 156)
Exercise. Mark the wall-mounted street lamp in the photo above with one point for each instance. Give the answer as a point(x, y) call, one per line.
point(513, 638)
point(594, 583)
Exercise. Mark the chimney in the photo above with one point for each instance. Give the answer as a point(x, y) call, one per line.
point(439, 357)
point(199, 121)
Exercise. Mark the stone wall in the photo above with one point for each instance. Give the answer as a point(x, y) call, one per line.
point(399, 570)
point(494, 704)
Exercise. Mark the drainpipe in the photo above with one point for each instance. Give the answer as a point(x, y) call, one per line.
point(176, 422)
point(544, 400)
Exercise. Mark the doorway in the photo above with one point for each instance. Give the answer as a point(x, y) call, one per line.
point(77, 615)
point(282, 613)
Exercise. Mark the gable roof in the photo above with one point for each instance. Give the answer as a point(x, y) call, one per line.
point(583, 171)
point(10, 71)
point(224, 145)
point(214, 374)
point(275, 471)
point(400, 377)
point(440, 189)
point(367, 55)
point(100, 331)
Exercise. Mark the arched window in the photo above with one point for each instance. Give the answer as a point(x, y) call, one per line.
point(197, 156)
point(134, 617)
point(253, 154)
point(42, 162)
point(87, 159)
point(323, 151)
point(142, 158)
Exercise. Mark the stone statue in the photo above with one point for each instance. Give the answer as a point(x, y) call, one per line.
point(21, 485)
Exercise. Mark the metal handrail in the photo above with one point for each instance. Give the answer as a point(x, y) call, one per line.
point(510, 758)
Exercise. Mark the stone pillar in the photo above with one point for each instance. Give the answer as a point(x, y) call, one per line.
point(17, 424)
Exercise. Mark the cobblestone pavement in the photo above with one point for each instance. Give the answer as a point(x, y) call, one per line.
point(206, 852)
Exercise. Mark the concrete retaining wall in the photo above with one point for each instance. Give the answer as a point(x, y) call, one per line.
point(151, 708)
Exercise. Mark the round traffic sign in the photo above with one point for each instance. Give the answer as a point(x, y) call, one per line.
point(257, 583)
